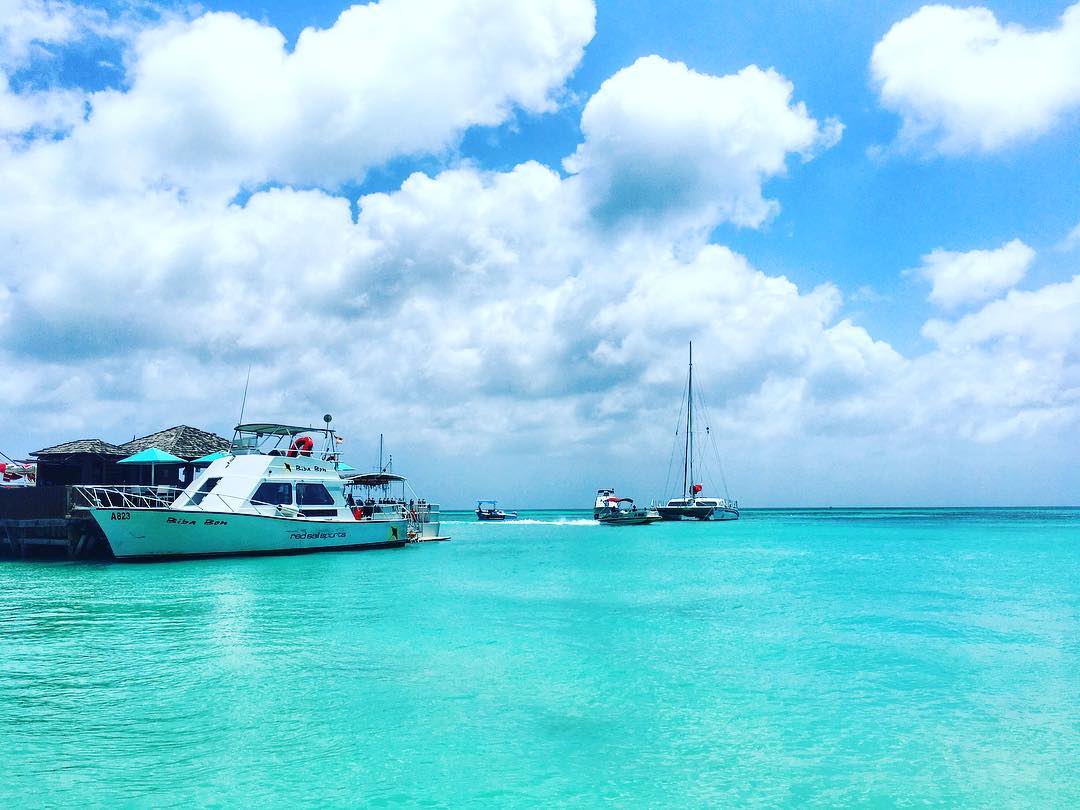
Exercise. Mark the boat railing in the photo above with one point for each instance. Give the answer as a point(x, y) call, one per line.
point(141, 497)
point(123, 497)
point(329, 456)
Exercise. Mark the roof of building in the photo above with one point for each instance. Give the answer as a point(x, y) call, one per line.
point(183, 441)
point(95, 447)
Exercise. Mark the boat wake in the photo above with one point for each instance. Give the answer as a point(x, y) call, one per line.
point(530, 522)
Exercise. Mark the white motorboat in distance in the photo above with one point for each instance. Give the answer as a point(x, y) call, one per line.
point(274, 493)
point(611, 510)
point(690, 504)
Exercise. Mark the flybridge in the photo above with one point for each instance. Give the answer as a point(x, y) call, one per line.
point(294, 441)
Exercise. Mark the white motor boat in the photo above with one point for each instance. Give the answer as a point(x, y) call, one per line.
point(611, 510)
point(274, 493)
point(690, 504)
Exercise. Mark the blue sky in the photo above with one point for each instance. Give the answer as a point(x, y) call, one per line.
point(524, 199)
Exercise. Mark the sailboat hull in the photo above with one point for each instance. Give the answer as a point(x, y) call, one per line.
point(686, 512)
point(698, 512)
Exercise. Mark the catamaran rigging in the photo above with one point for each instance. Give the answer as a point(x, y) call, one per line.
point(691, 504)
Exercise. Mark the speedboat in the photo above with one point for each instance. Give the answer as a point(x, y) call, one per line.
point(614, 511)
point(273, 493)
point(488, 510)
point(689, 504)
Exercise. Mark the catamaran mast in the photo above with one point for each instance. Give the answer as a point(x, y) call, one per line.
point(690, 417)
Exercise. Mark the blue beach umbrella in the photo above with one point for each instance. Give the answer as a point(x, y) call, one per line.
point(209, 458)
point(153, 457)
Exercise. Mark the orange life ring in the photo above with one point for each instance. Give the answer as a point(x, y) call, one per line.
point(301, 445)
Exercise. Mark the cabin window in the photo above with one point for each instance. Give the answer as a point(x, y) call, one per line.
point(204, 489)
point(273, 492)
point(313, 495)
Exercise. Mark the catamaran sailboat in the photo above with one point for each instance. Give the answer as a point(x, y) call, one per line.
point(691, 504)
point(274, 493)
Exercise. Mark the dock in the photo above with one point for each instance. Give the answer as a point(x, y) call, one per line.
point(42, 523)
point(432, 539)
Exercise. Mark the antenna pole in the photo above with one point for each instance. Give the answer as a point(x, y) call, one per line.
point(243, 402)
point(380, 453)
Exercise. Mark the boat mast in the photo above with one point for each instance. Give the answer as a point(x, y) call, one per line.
point(690, 416)
point(688, 450)
point(380, 453)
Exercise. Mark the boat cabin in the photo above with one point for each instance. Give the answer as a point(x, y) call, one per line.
point(273, 470)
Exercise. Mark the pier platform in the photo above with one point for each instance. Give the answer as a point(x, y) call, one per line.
point(439, 539)
point(72, 538)
point(40, 523)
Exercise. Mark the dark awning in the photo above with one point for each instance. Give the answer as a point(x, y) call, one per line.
point(375, 479)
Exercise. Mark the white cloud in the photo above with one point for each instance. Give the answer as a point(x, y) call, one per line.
point(974, 276)
point(663, 140)
point(25, 22)
point(219, 102)
point(1043, 320)
point(1011, 368)
point(475, 312)
point(963, 82)
point(1073, 239)
point(50, 110)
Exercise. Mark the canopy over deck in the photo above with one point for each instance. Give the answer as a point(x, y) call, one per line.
point(376, 479)
point(271, 429)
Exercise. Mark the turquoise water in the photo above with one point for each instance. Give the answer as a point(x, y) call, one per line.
point(871, 658)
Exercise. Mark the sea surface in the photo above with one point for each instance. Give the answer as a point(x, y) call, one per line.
point(875, 658)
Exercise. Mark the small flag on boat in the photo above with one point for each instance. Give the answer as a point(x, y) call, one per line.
point(697, 488)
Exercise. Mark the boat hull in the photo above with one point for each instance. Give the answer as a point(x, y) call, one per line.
point(697, 513)
point(162, 534)
point(496, 516)
point(628, 520)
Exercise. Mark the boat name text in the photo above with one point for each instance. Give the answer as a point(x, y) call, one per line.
point(192, 522)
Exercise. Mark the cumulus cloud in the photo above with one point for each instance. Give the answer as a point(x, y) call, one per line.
point(1012, 367)
point(49, 111)
point(1073, 238)
point(24, 23)
point(974, 276)
point(1044, 320)
point(506, 311)
point(964, 82)
point(662, 140)
point(219, 101)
